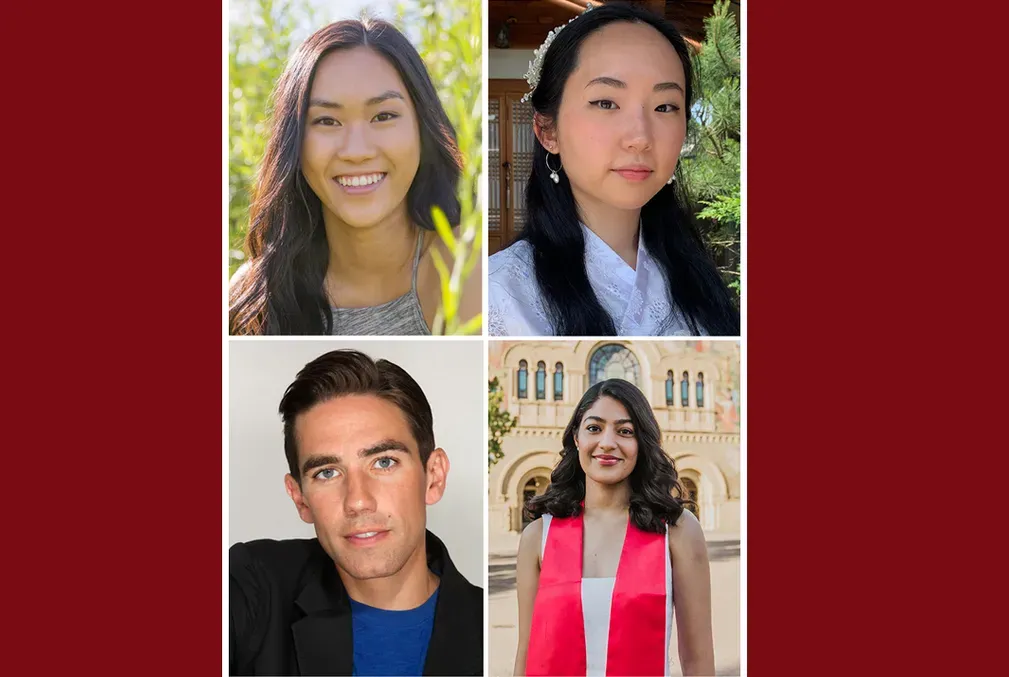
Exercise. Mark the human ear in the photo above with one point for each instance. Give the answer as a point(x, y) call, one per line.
point(546, 133)
point(436, 475)
point(294, 491)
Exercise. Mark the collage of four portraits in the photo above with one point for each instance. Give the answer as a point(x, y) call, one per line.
point(482, 279)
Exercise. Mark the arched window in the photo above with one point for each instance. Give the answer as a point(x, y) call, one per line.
point(541, 381)
point(670, 400)
point(534, 487)
point(685, 390)
point(523, 380)
point(690, 492)
point(700, 389)
point(558, 382)
point(613, 361)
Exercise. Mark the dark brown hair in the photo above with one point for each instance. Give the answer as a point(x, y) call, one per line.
point(656, 495)
point(282, 290)
point(349, 372)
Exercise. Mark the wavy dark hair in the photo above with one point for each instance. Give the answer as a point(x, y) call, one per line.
point(657, 498)
point(670, 234)
point(282, 291)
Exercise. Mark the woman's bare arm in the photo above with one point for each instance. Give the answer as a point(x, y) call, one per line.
point(692, 596)
point(527, 577)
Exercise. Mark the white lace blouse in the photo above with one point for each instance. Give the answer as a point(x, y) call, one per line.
point(637, 300)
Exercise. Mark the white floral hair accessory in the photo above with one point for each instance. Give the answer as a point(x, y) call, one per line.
point(536, 65)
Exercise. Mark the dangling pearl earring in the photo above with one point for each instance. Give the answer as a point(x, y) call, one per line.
point(671, 179)
point(553, 172)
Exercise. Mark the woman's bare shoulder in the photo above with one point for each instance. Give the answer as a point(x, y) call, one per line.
point(686, 537)
point(532, 536)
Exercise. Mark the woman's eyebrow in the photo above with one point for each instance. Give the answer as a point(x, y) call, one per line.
point(620, 84)
point(665, 86)
point(384, 96)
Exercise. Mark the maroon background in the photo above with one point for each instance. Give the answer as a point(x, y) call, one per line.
point(876, 218)
point(875, 222)
point(113, 267)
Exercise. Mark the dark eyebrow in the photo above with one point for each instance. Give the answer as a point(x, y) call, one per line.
point(603, 420)
point(384, 445)
point(313, 462)
point(384, 96)
point(613, 82)
point(665, 86)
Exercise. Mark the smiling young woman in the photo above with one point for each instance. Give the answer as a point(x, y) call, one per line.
point(341, 233)
point(608, 233)
point(609, 549)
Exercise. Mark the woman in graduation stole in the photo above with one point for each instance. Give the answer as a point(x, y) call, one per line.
point(612, 548)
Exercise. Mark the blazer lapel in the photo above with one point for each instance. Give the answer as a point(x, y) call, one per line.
point(454, 639)
point(323, 639)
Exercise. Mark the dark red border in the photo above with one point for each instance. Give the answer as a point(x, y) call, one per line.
point(876, 240)
point(870, 490)
point(112, 251)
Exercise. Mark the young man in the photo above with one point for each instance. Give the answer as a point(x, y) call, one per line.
point(375, 593)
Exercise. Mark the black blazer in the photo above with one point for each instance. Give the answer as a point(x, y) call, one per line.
point(290, 614)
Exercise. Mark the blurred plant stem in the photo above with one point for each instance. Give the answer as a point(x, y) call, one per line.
point(448, 35)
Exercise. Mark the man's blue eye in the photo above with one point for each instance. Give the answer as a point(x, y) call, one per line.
point(385, 463)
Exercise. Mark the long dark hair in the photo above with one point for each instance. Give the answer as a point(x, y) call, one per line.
point(282, 291)
point(670, 234)
point(653, 480)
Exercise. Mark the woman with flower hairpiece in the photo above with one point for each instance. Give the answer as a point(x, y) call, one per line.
point(608, 247)
point(610, 549)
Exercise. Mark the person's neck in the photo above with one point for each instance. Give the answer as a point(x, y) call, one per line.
point(407, 589)
point(366, 255)
point(607, 499)
point(618, 228)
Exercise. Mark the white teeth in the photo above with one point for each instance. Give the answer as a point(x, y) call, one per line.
point(366, 535)
point(366, 180)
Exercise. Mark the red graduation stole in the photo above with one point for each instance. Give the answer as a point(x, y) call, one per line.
point(637, 636)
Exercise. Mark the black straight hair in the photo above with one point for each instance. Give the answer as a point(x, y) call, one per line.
point(282, 291)
point(350, 372)
point(667, 227)
point(653, 481)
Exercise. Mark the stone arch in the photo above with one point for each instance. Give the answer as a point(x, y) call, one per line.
point(512, 475)
point(540, 475)
point(712, 487)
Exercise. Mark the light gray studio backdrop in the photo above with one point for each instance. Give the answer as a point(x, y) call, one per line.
point(451, 373)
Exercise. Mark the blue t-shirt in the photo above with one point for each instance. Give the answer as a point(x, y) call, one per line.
point(391, 642)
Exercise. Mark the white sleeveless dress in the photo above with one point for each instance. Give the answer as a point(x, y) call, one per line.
point(597, 593)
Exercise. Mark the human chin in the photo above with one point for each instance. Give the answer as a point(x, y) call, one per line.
point(361, 215)
point(385, 557)
point(623, 196)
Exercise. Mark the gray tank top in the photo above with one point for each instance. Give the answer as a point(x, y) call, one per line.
point(400, 317)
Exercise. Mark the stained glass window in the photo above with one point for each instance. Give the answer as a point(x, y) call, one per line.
point(613, 361)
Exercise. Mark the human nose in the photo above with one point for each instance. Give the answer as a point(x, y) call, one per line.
point(638, 137)
point(359, 497)
point(357, 146)
point(609, 440)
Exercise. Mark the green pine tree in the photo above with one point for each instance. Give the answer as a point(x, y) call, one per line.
point(712, 152)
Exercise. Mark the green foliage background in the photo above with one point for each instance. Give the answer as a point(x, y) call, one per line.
point(499, 422)
point(711, 162)
point(446, 33)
